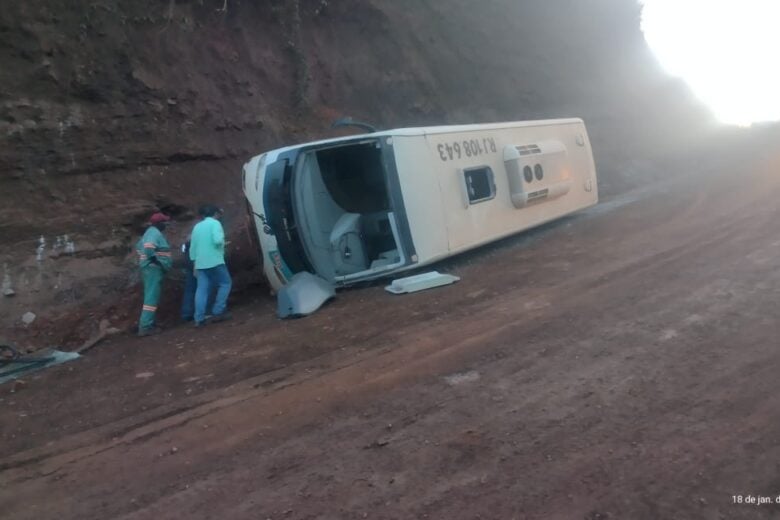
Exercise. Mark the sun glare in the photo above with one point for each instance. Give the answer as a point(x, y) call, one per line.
point(727, 51)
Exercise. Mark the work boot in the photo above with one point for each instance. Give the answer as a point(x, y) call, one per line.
point(199, 324)
point(151, 331)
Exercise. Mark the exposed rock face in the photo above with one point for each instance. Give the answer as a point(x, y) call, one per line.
point(111, 109)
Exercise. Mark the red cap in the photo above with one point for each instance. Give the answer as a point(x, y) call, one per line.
point(159, 217)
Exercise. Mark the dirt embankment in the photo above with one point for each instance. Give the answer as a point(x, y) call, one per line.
point(110, 109)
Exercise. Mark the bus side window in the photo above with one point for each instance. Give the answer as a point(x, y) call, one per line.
point(480, 185)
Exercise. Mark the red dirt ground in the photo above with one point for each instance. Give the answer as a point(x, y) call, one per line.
point(618, 364)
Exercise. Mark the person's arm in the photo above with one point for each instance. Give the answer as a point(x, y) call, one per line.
point(218, 234)
point(193, 247)
point(163, 254)
point(149, 250)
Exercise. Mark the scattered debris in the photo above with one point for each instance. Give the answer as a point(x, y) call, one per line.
point(16, 366)
point(40, 251)
point(8, 289)
point(379, 443)
point(104, 330)
point(70, 246)
point(462, 377)
point(144, 375)
point(19, 384)
point(28, 318)
point(420, 282)
point(303, 294)
point(65, 244)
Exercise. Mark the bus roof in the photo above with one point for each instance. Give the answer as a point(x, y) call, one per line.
point(431, 130)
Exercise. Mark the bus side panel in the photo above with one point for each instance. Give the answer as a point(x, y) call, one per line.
point(473, 224)
point(422, 198)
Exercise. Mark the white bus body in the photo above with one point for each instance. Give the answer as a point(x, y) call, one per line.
point(363, 207)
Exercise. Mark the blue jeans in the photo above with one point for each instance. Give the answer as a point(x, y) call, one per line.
point(188, 298)
point(208, 279)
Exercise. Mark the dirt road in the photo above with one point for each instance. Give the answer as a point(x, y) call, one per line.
point(619, 364)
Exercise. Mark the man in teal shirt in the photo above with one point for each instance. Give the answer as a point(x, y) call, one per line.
point(154, 259)
point(207, 252)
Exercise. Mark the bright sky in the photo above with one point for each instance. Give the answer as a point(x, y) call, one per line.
point(728, 51)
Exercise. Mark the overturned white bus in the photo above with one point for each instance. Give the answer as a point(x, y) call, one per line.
point(368, 206)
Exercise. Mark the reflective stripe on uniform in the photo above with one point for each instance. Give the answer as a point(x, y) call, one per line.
point(163, 253)
point(150, 245)
point(150, 308)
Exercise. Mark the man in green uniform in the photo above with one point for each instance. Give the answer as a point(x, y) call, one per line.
point(154, 258)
